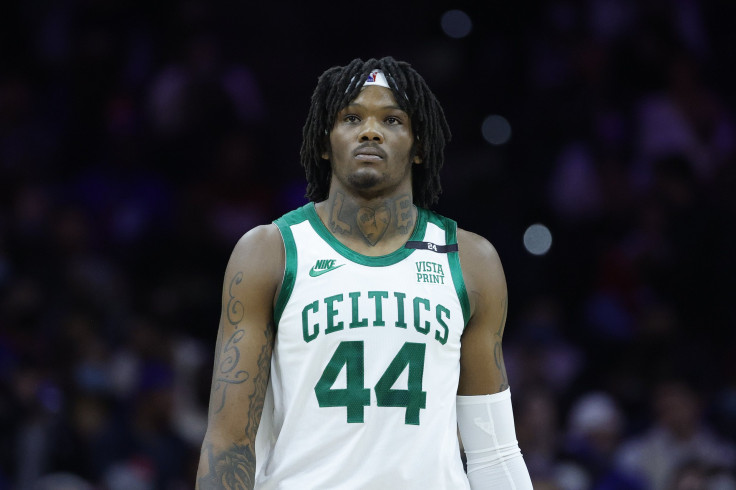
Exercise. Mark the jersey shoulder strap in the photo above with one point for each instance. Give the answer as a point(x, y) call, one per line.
point(284, 224)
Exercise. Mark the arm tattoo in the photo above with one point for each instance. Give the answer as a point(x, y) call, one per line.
point(498, 352)
point(235, 310)
point(233, 469)
point(498, 358)
point(225, 375)
point(260, 384)
point(499, 333)
point(227, 357)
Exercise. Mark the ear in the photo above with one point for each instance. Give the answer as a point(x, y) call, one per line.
point(418, 151)
point(326, 145)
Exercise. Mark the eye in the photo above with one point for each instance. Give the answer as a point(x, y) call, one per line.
point(392, 120)
point(351, 118)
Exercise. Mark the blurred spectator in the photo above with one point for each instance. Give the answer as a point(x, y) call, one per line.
point(594, 431)
point(686, 119)
point(678, 436)
point(538, 432)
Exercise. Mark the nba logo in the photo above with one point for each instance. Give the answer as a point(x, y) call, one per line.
point(376, 77)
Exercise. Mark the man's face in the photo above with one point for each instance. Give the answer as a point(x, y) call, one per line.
point(371, 145)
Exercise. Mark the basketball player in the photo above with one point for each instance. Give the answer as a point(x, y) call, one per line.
point(359, 331)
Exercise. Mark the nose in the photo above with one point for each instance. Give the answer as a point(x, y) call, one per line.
point(370, 131)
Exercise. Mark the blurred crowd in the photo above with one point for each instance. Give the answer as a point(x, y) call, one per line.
point(138, 143)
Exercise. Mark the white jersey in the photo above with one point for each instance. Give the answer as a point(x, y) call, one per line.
point(365, 364)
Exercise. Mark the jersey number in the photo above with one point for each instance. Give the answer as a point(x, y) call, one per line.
point(355, 395)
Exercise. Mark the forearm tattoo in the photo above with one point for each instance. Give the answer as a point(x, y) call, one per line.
point(233, 469)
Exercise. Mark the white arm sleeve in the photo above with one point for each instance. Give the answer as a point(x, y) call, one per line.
point(486, 424)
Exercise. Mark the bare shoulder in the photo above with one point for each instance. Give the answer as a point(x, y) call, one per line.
point(258, 244)
point(481, 265)
point(474, 246)
point(259, 255)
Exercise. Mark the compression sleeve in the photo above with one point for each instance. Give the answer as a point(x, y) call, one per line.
point(486, 424)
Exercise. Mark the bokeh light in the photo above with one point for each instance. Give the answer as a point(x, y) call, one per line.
point(456, 24)
point(496, 129)
point(537, 239)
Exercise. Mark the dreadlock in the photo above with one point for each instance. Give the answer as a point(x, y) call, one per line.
point(339, 85)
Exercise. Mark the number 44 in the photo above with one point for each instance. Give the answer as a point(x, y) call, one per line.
point(356, 396)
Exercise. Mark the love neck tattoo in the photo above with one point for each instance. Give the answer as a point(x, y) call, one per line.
point(371, 223)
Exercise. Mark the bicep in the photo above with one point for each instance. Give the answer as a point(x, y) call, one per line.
point(244, 344)
point(482, 369)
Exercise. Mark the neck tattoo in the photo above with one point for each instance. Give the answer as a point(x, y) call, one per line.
point(336, 224)
point(373, 223)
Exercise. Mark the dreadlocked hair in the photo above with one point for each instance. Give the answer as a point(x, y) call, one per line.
point(338, 86)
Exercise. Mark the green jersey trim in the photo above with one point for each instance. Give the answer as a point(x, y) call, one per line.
point(308, 212)
point(456, 270)
point(381, 261)
point(287, 286)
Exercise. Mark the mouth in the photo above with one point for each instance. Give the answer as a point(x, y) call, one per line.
point(369, 153)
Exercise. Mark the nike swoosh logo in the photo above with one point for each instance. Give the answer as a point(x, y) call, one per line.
point(315, 273)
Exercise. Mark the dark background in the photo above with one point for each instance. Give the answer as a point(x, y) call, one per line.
point(137, 143)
